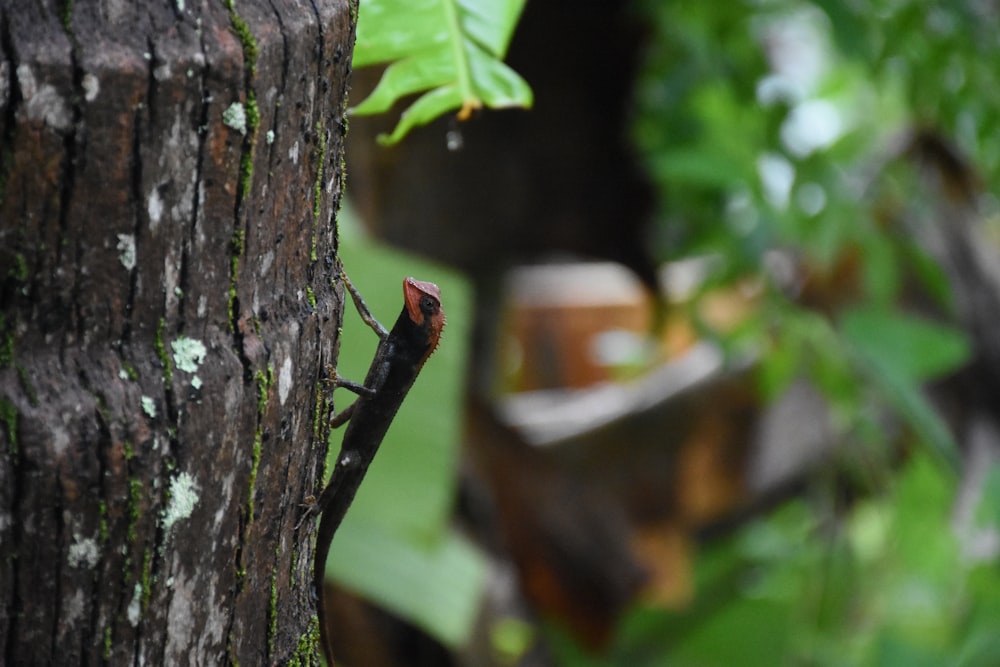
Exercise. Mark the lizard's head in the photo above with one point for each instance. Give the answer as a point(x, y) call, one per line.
point(423, 303)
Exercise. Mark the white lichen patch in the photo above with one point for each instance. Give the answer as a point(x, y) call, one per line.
point(226, 488)
point(83, 552)
point(134, 611)
point(154, 208)
point(265, 261)
point(293, 152)
point(180, 619)
point(149, 406)
point(75, 606)
point(42, 101)
point(196, 382)
point(183, 498)
point(126, 250)
point(171, 278)
point(285, 380)
point(189, 353)
point(162, 72)
point(59, 437)
point(235, 116)
point(91, 87)
point(123, 374)
point(198, 615)
point(269, 137)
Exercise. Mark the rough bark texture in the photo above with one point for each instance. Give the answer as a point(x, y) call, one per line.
point(151, 488)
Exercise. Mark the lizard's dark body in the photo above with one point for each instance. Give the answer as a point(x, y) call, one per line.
point(398, 360)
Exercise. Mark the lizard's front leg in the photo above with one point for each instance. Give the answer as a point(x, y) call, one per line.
point(362, 308)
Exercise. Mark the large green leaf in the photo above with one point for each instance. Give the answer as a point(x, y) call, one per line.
point(451, 51)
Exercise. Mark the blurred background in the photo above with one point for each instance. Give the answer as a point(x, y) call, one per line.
point(720, 383)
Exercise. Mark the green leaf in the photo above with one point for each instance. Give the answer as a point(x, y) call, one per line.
point(924, 494)
point(404, 77)
point(744, 631)
point(449, 50)
point(436, 586)
point(892, 650)
point(898, 352)
point(988, 511)
point(917, 349)
point(698, 167)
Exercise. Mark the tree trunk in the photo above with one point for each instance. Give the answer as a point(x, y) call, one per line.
point(169, 177)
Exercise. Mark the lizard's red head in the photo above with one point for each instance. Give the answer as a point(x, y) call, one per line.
point(423, 303)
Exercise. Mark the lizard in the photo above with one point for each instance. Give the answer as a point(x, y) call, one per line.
point(401, 354)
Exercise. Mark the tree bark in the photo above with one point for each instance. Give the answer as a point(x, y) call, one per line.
point(170, 174)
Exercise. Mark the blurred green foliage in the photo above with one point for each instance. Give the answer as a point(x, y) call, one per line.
point(775, 125)
point(885, 584)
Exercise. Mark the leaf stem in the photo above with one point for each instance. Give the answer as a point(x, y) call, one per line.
point(463, 74)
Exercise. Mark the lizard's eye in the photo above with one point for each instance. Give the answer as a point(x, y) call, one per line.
point(428, 304)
